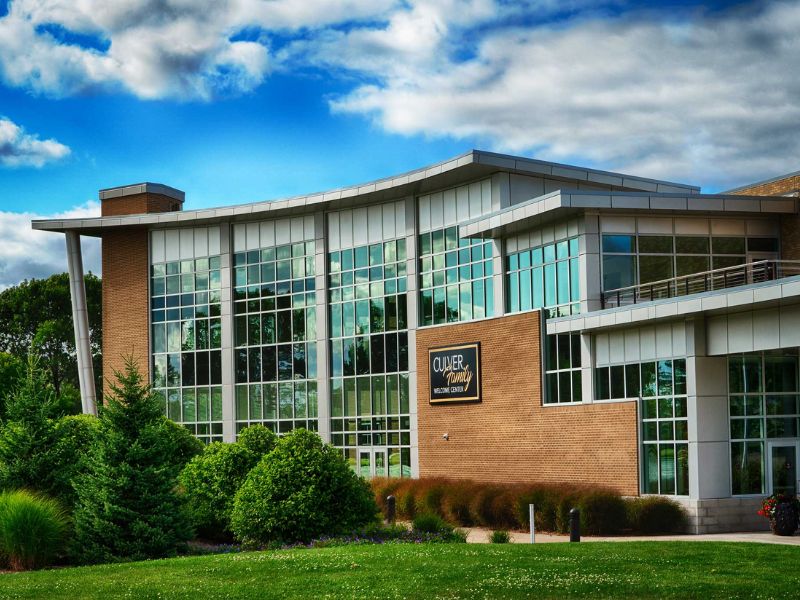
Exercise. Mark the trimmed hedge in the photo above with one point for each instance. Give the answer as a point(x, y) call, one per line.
point(505, 506)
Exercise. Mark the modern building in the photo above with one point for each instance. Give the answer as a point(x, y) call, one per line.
point(489, 317)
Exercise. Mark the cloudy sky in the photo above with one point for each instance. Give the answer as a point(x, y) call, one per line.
point(244, 100)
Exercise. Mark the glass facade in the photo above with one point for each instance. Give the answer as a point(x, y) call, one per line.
point(563, 368)
point(275, 337)
point(544, 277)
point(763, 405)
point(455, 278)
point(370, 396)
point(661, 385)
point(630, 259)
point(186, 340)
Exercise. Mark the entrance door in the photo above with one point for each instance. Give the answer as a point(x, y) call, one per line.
point(372, 462)
point(782, 467)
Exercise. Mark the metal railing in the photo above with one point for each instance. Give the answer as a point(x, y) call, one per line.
point(696, 283)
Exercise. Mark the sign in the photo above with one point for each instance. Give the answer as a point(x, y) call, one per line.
point(455, 373)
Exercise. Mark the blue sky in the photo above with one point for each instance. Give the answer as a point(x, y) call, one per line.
point(244, 100)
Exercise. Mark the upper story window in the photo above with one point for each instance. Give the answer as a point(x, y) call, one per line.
point(639, 259)
point(544, 277)
point(455, 278)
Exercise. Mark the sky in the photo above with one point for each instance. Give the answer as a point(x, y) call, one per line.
point(246, 100)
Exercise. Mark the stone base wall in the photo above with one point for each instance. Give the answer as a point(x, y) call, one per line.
point(724, 515)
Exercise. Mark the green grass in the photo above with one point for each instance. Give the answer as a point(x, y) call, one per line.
point(617, 569)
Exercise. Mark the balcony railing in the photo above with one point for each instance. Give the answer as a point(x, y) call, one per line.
point(696, 283)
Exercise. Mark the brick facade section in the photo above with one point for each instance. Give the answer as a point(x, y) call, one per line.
point(779, 187)
point(510, 436)
point(790, 237)
point(125, 301)
point(138, 204)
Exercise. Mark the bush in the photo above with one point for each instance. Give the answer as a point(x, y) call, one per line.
point(127, 506)
point(303, 489)
point(430, 523)
point(75, 435)
point(656, 514)
point(210, 481)
point(500, 536)
point(457, 503)
point(186, 446)
point(32, 529)
point(602, 513)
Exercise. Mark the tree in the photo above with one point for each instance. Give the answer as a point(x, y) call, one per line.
point(12, 372)
point(28, 434)
point(38, 313)
point(127, 506)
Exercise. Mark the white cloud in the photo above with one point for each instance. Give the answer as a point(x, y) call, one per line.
point(26, 253)
point(711, 99)
point(186, 49)
point(19, 148)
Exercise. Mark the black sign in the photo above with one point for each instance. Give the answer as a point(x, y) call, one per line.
point(455, 373)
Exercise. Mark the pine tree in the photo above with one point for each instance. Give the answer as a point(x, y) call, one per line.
point(28, 434)
point(127, 505)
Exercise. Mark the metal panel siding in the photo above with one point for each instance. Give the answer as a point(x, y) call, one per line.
point(186, 237)
point(283, 233)
point(424, 213)
point(437, 211)
point(267, 233)
point(375, 224)
point(157, 247)
point(474, 200)
point(451, 216)
point(486, 196)
point(214, 246)
point(200, 242)
point(359, 227)
point(333, 231)
point(252, 236)
point(172, 246)
point(388, 217)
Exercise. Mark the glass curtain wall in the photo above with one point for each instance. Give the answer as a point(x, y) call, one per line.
point(630, 259)
point(544, 277)
point(275, 337)
point(186, 341)
point(661, 385)
point(763, 403)
point(369, 354)
point(455, 278)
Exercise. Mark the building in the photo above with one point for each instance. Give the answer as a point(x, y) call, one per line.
point(489, 317)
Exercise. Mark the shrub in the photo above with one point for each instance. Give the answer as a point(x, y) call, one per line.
point(656, 514)
point(186, 446)
point(210, 481)
point(457, 503)
point(430, 523)
point(75, 435)
point(32, 529)
point(301, 490)
point(545, 501)
point(602, 513)
point(257, 439)
point(500, 536)
point(127, 505)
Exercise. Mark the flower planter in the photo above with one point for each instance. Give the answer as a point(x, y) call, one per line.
point(784, 519)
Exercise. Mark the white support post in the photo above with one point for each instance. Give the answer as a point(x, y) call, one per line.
point(80, 321)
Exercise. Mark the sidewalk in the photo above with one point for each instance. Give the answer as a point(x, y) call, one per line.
point(477, 535)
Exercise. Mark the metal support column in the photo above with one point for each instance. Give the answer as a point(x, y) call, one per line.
point(80, 321)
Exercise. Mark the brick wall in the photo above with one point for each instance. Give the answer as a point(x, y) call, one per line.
point(138, 204)
point(790, 237)
point(778, 187)
point(125, 300)
point(510, 436)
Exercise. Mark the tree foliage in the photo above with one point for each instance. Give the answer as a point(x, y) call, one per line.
point(127, 505)
point(38, 313)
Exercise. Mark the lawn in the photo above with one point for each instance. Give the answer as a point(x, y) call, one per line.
point(631, 569)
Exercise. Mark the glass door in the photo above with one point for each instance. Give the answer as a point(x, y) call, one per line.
point(782, 467)
point(372, 462)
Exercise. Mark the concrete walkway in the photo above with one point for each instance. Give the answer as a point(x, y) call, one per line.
point(477, 535)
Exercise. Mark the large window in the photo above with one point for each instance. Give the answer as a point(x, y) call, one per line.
point(275, 337)
point(563, 368)
point(763, 404)
point(630, 259)
point(455, 278)
point(661, 385)
point(369, 354)
point(544, 277)
point(186, 341)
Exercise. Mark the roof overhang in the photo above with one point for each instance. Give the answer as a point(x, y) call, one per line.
point(470, 166)
point(564, 203)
